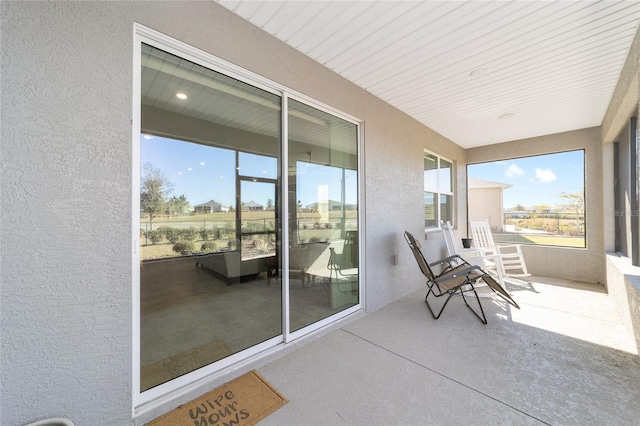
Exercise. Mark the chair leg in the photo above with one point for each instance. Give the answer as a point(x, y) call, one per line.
point(483, 318)
point(443, 306)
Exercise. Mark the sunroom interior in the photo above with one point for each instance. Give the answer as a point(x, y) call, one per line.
point(298, 231)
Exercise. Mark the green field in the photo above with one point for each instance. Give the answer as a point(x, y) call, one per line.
point(551, 240)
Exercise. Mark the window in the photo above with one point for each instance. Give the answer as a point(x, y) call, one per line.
point(438, 190)
point(531, 200)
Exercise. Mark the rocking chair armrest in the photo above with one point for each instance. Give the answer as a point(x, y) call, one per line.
point(504, 250)
point(472, 252)
point(499, 247)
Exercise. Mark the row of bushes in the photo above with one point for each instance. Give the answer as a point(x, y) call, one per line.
point(551, 226)
point(318, 225)
point(188, 247)
point(174, 235)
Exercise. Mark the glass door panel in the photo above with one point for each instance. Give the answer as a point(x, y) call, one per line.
point(258, 220)
point(323, 226)
point(202, 298)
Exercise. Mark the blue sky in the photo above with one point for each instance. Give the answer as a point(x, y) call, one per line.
point(536, 180)
point(204, 173)
point(199, 172)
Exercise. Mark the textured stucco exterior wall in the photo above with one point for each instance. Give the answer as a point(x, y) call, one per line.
point(574, 264)
point(66, 298)
point(66, 190)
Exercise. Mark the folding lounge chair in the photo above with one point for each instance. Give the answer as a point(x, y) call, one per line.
point(335, 265)
point(457, 277)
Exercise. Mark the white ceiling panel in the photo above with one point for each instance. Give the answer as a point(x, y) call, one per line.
point(458, 66)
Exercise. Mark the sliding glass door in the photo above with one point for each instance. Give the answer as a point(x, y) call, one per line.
point(213, 238)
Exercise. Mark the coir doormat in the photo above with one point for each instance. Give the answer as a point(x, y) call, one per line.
point(243, 401)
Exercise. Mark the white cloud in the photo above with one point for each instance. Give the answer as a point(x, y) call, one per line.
point(545, 175)
point(514, 171)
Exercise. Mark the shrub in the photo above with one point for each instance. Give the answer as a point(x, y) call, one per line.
point(188, 234)
point(208, 246)
point(228, 230)
point(205, 233)
point(216, 233)
point(154, 236)
point(261, 245)
point(172, 234)
point(163, 230)
point(183, 247)
point(328, 225)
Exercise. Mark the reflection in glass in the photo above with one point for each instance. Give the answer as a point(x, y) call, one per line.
point(205, 287)
point(430, 210)
point(258, 166)
point(431, 173)
point(323, 226)
point(445, 180)
point(258, 223)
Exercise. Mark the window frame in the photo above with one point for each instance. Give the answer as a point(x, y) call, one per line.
point(583, 150)
point(440, 192)
point(626, 172)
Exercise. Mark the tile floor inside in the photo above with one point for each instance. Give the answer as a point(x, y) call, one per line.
point(191, 317)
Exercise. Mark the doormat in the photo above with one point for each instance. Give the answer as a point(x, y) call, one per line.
point(243, 401)
point(174, 366)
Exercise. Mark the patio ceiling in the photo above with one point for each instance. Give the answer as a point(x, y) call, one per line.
point(478, 73)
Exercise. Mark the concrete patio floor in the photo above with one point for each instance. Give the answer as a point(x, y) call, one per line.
point(565, 358)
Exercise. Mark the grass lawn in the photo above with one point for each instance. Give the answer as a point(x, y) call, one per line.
point(550, 240)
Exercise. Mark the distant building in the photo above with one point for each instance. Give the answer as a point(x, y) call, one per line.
point(210, 207)
point(486, 202)
point(253, 206)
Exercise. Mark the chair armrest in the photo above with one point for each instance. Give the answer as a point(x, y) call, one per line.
point(447, 260)
point(458, 273)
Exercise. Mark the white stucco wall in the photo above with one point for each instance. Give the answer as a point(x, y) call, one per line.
point(486, 204)
point(66, 300)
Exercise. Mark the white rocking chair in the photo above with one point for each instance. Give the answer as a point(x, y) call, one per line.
point(511, 259)
point(475, 256)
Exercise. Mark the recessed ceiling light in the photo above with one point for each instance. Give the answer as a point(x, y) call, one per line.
point(181, 95)
point(477, 72)
point(507, 115)
point(148, 137)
